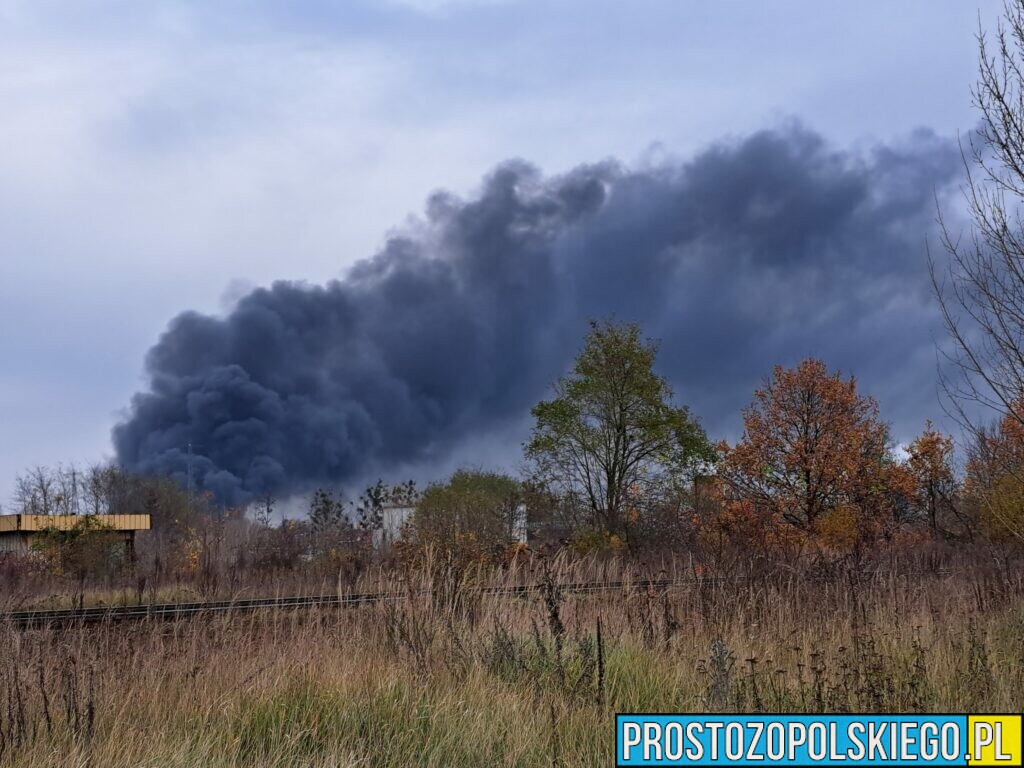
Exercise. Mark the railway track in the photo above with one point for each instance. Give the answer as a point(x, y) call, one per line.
point(95, 614)
point(30, 618)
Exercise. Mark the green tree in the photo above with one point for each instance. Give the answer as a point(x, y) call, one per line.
point(326, 512)
point(474, 512)
point(371, 503)
point(88, 548)
point(612, 440)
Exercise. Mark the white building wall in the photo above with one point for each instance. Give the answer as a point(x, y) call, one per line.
point(519, 527)
point(391, 521)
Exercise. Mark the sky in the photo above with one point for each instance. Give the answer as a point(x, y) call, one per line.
point(159, 158)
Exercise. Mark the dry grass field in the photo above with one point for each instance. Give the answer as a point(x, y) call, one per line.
point(447, 677)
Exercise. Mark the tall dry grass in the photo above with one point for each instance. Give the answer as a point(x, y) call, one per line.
point(447, 676)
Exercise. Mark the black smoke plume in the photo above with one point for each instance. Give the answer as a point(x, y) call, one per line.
point(754, 252)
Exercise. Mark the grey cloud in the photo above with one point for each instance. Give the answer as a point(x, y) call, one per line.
point(755, 251)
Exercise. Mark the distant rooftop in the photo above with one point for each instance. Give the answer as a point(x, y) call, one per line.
point(14, 523)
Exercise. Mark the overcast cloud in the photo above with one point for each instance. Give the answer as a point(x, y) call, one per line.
point(158, 160)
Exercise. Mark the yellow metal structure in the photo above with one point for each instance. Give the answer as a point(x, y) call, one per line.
point(16, 530)
point(68, 522)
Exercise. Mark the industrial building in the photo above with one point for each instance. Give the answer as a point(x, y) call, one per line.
point(392, 520)
point(18, 531)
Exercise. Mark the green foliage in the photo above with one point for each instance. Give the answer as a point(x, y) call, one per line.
point(387, 724)
point(612, 437)
point(370, 505)
point(87, 548)
point(474, 512)
point(333, 539)
point(326, 512)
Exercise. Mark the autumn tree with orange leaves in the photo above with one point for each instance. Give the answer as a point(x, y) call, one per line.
point(814, 452)
point(930, 465)
point(994, 486)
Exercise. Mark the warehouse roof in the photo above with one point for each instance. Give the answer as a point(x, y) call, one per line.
point(14, 523)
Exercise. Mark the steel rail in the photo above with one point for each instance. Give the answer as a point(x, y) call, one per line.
point(29, 618)
point(343, 600)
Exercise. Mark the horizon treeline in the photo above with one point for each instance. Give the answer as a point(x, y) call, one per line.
point(613, 465)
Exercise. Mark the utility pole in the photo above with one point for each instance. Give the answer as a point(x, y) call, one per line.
point(74, 491)
point(190, 476)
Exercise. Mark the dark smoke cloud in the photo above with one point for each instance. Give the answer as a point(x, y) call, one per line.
point(754, 252)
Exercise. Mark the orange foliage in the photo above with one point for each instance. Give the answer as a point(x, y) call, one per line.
point(846, 529)
point(738, 526)
point(930, 473)
point(813, 449)
point(995, 477)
